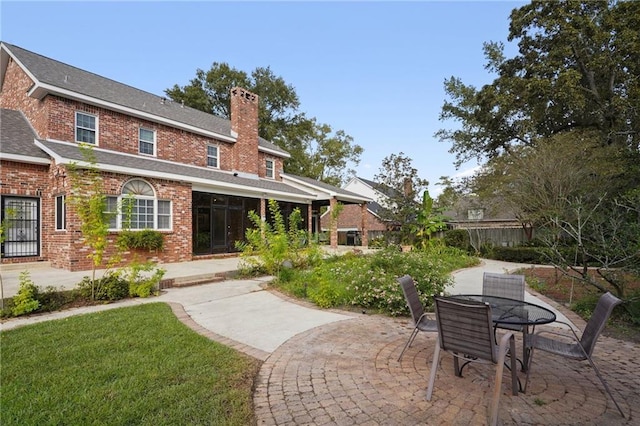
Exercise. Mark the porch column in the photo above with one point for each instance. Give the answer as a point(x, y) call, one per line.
point(333, 204)
point(364, 237)
point(263, 211)
point(310, 222)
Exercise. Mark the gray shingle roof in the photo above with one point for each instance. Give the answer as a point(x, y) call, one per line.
point(111, 160)
point(17, 135)
point(327, 187)
point(383, 189)
point(67, 77)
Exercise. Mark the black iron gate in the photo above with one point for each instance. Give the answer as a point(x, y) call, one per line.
point(21, 235)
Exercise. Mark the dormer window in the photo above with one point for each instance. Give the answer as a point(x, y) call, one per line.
point(213, 156)
point(475, 214)
point(86, 128)
point(147, 141)
point(270, 167)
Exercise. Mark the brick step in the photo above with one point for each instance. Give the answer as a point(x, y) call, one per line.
point(194, 280)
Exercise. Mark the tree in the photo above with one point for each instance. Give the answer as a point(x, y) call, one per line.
point(90, 205)
point(429, 220)
point(316, 150)
point(399, 181)
point(577, 68)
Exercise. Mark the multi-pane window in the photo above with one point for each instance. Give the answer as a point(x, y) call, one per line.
point(212, 156)
point(139, 209)
point(147, 141)
point(61, 208)
point(86, 128)
point(475, 214)
point(269, 173)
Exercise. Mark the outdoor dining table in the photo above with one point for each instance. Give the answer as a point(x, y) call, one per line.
point(514, 312)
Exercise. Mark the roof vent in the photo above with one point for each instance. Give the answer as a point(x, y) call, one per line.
point(66, 78)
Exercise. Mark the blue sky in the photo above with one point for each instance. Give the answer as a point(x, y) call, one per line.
point(373, 69)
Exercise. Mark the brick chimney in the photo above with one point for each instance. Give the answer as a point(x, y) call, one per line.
point(408, 188)
point(244, 125)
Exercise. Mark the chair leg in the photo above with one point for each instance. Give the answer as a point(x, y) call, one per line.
point(414, 333)
point(525, 351)
point(529, 362)
point(434, 368)
point(497, 386)
point(515, 384)
point(604, 383)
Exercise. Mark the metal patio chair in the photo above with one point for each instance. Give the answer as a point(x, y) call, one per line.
point(579, 349)
point(465, 330)
point(421, 322)
point(510, 286)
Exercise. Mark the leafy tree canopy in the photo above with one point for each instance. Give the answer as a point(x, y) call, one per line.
point(316, 150)
point(402, 185)
point(577, 68)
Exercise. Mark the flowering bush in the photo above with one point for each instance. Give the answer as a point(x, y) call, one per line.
point(369, 282)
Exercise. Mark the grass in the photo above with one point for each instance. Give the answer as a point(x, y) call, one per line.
point(136, 365)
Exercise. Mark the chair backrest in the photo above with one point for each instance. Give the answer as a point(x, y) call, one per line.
point(598, 320)
point(411, 295)
point(503, 285)
point(465, 327)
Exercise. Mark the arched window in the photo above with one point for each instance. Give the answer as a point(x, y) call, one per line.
point(139, 208)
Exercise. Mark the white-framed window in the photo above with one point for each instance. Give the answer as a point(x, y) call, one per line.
point(61, 213)
point(138, 208)
point(213, 156)
point(146, 141)
point(475, 214)
point(86, 128)
point(270, 169)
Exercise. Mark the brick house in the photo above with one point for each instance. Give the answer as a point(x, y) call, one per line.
point(191, 175)
point(358, 224)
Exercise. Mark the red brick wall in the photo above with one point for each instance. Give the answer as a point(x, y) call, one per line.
point(119, 132)
point(14, 96)
point(244, 121)
point(177, 242)
point(262, 165)
point(351, 217)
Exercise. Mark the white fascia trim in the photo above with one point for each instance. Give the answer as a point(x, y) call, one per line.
point(39, 90)
point(274, 152)
point(305, 186)
point(25, 159)
point(257, 193)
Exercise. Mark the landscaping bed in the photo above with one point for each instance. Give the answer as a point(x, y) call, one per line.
point(581, 298)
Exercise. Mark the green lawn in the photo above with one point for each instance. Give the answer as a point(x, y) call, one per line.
point(136, 365)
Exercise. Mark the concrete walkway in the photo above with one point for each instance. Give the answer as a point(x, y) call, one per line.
point(339, 368)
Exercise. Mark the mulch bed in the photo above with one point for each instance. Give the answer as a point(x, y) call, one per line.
point(568, 290)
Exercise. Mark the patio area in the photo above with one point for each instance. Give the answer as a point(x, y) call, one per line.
point(347, 373)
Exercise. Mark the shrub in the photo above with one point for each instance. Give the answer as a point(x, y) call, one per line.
point(52, 299)
point(458, 238)
point(369, 281)
point(147, 239)
point(269, 246)
point(110, 287)
point(533, 255)
point(26, 300)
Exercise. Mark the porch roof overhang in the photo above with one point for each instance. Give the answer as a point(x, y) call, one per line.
point(201, 178)
point(323, 191)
